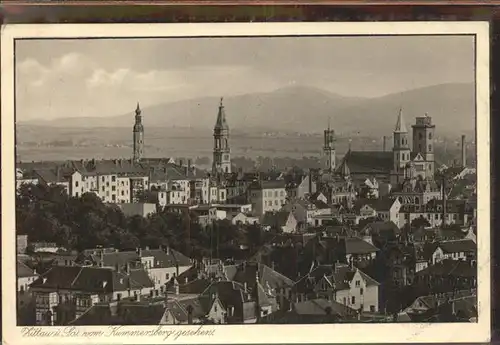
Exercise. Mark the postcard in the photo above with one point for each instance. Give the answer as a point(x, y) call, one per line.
point(245, 183)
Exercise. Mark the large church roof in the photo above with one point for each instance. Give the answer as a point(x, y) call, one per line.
point(368, 161)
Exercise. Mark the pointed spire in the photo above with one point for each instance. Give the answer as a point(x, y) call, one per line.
point(400, 124)
point(138, 109)
point(221, 117)
point(329, 120)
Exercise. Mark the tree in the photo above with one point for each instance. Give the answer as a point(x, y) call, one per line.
point(420, 222)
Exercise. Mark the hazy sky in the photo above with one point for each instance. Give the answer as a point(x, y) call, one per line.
point(73, 78)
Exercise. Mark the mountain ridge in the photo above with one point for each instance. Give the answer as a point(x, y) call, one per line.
point(285, 110)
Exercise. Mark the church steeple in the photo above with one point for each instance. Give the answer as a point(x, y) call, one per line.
point(400, 124)
point(329, 151)
point(401, 148)
point(138, 135)
point(221, 122)
point(222, 153)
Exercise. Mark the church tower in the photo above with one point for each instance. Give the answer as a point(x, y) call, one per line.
point(329, 149)
point(401, 147)
point(138, 135)
point(222, 153)
point(423, 142)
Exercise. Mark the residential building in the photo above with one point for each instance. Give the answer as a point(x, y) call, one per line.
point(25, 276)
point(282, 221)
point(267, 196)
point(344, 284)
point(64, 293)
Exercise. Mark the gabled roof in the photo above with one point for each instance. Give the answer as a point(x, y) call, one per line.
point(357, 246)
point(180, 308)
point(268, 184)
point(369, 161)
point(124, 313)
point(458, 246)
point(447, 267)
point(91, 279)
point(278, 219)
point(162, 258)
point(382, 228)
point(24, 271)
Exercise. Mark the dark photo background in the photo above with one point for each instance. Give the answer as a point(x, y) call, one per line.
point(71, 12)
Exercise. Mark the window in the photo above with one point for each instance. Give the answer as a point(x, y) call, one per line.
point(358, 283)
point(372, 308)
point(215, 308)
point(113, 178)
point(107, 184)
point(420, 136)
point(103, 188)
point(102, 179)
point(123, 193)
point(430, 136)
point(353, 300)
point(430, 148)
point(113, 197)
point(276, 194)
point(76, 184)
point(76, 194)
point(361, 291)
point(345, 301)
point(113, 188)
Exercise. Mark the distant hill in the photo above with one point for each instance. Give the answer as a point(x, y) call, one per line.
point(305, 109)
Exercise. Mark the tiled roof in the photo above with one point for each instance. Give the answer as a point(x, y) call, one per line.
point(125, 313)
point(322, 306)
point(180, 308)
point(162, 259)
point(24, 271)
point(276, 218)
point(369, 161)
point(91, 279)
point(449, 267)
point(338, 275)
point(382, 228)
point(458, 246)
point(268, 184)
point(356, 245)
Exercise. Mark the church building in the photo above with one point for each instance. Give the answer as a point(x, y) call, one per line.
point(392, 166)
point(222, 154)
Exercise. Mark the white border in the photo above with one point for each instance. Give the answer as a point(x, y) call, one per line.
point(338, 333)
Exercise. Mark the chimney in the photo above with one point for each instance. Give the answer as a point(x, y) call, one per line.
point(245, 286)
point(128, 268)
point(177, 289)
point(181, 162)
point(168, 250)
point(177, 270)
point(464, 157)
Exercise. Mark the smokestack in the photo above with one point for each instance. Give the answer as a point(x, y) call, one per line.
point(464, 158)
point(385, 144)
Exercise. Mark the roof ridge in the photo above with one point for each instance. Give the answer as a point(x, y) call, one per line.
point(77, 276)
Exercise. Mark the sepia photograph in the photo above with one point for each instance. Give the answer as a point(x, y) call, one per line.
point(208, 182)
